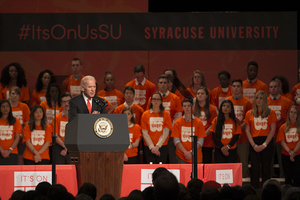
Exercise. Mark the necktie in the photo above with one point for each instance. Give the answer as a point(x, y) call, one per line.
point(274, 98)
point(89, 106)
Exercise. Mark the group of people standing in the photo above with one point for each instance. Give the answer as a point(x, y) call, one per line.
point(232, 122)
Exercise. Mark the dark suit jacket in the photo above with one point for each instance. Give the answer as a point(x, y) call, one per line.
point(78, 106)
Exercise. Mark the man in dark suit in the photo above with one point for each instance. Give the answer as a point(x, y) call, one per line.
point(87, 102)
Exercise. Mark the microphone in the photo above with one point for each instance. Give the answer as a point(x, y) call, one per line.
point(100, 102)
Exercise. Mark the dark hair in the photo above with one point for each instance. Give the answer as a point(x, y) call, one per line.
point(66, 94)
point(226, 73)
point(252, 63)
point(195, 184)
point(108, 73)
point(31, 122)
point(139, 68)
point(88, 189)
point(39, 82)
point(17, 195)
point(166, 187)
point(237, 80)
point(221, 119)
point(43, 187)
point(173, 71)
point(184, 101)
point(158, 172)
point(129, 88)
point(165, 76)
point(285, 85)
point(48, 97)
point(107, 197)
point(76, 59)
point(197, 110)
point(5, 78)
point(10, 118)
point(132, 118)
point(161, 107)
point(271, 192)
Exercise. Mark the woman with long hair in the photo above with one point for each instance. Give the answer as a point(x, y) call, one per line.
point(225, 130)
point(114, 96)
point(37, 137)
point(198, 80)
point(9, 135)
point(288, 136)
point(206, 113)
point(53, 93)
point(131, 154)
point(44, 79)
point(172, 74)
point(156, 123)
point(260, 129)
point(13, 75)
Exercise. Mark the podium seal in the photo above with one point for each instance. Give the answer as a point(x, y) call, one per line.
point(103, 127)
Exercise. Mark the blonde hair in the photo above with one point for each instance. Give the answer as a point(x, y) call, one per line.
point(265, 108)
point(288, 121)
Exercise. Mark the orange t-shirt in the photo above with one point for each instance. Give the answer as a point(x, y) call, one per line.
point(208, 141)
point(228, 132)
point(61, 122)
point(182, 130)
point(260, 126)
point(177, 93)
point(291, 138)
point(241, 107)
point(155, 125)
point(218, 96)
point(49, 112)
point(38, 137)
point(134, 134)
point(136, 109)
point(171, 103)
point(115, 97)
point(281, 107)
point(288, 96)
point(21, 112)
point(72, 86)
point(7, 134)
point(142, 92)
point(24, 95)
point(37, 97)
point(250, 89)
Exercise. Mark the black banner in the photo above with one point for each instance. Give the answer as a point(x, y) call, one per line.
point(148, 31)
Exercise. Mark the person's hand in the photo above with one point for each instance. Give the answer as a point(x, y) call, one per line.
point(95, 112)
point(63, 152)
point(155, 150)
point(188, 155)
point(5, 153)
point(258, 148)
point(225, 149)
point(125, 157)
point(37, 158)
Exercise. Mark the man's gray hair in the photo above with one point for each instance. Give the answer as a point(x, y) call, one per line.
point(84, 79)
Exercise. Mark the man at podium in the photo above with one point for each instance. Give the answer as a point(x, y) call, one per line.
point(87, 102)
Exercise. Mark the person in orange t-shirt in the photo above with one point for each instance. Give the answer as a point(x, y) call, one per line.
point(260, 129)
point(181, 135)
point(284, 87)
point(10, 129)
point(114, 96)
point(198, 81)
point(241, 106)
point(21, 111)
point(206, 113)
point(53, 93)
point(131, 154)
point(280, 105)
point(296, 95)
point(252, 84)
point(137, 110)
point(222, 92)
point(172, 74)
point(44, 79)
point(72, 83)
point(14, 75)
point(226, 130)
point(37, 137)
point(156, 123)
point(288, 137)
point(143, 87)
point(61, 151)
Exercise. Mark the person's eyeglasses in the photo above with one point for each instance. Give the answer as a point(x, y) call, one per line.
point(65, 101)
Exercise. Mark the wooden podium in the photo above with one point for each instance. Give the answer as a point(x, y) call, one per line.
point(98, 159)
